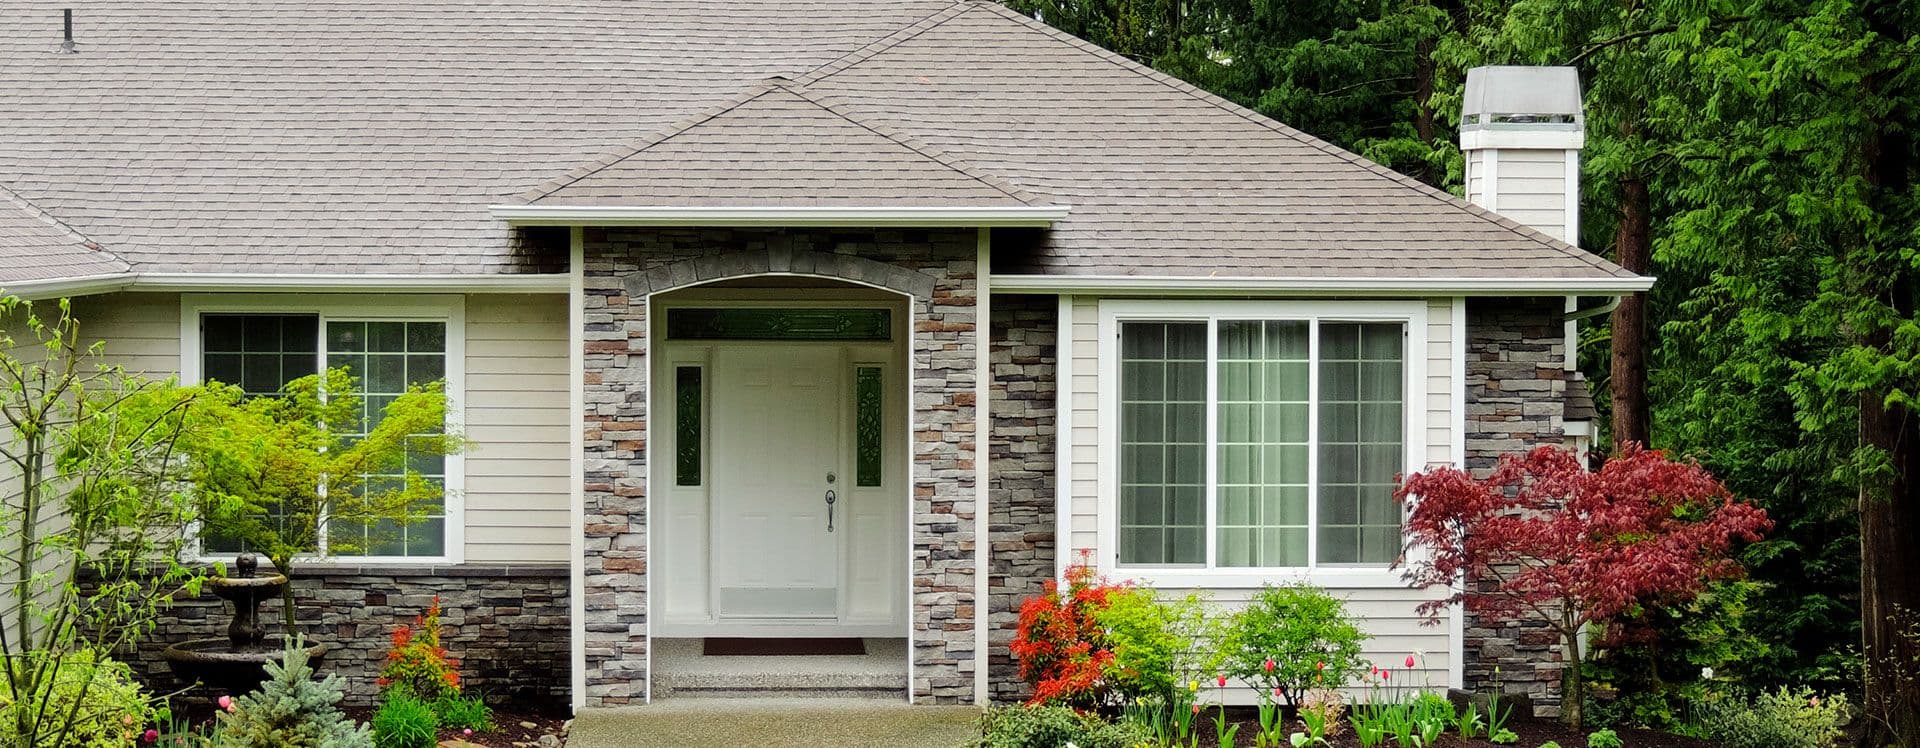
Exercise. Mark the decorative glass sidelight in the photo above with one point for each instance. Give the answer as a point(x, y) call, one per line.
point(686, 425)
point(757, 323)
point(868, 425)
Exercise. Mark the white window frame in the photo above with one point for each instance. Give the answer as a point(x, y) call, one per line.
point(1113, 312)
point(446, 308)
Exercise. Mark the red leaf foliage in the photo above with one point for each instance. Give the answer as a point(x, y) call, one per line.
point(1063, 653)
point(1544, 536)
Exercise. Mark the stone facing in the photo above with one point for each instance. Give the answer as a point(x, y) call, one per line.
point(1516, 400)
point(506, 625)
point(935, 268)
point(1021, 505)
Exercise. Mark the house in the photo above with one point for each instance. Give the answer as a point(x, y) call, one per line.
point(805, 319)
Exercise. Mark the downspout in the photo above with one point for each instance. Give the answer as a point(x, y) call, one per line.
point(1575, 315)
point(982, 456)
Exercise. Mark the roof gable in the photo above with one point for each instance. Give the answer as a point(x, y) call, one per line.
point(36, 247)
point(775, 144)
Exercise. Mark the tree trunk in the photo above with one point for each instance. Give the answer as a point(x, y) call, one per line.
point(1633, 247)
point(1573, 683)
point(1890, 514)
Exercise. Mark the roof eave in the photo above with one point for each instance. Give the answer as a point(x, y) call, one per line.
point(1030, 216)
point(315, 282)
point(1215, 285)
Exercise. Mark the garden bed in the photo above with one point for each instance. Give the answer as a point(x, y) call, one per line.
point(1532, 732)
point(510, 726)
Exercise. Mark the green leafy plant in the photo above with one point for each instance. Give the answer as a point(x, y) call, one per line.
point(278, 469)
point(1272, 722)
point(1292, 637)
point(1321, 713)
point(291, 709)
point(468, 712)
point(1054, 726)
point(1470, 722)
point(417, 665)
point(1224, 732)
point(92, 459)
point(1497, 716)
point(404, 721)
point(1550, 744)
point(1604, 739)
point(1783, 718)
point(1503, 736)
point(1154, 641)
point(1371, 721)
point(95, 698)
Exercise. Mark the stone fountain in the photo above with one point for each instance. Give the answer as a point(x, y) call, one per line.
point(237, 663)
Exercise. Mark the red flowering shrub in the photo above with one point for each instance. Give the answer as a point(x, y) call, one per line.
point(1063, 652)
point(417, 665)
point(1543, 537)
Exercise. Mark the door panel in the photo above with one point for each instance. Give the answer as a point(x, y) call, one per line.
point(776, 436)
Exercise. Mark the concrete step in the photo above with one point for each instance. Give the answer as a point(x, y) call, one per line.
point(781, 684)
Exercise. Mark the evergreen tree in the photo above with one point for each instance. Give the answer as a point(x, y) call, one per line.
point(291, 710)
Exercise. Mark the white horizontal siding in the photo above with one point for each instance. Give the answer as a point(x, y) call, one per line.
point(516, 420)
point(1531, 185)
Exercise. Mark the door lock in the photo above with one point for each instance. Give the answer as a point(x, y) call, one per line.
point(830, 499)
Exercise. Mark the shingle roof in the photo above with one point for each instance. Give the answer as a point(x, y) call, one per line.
point(277, 136)
point(776, 145)
point(35, 247)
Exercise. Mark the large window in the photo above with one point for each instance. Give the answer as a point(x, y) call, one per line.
point(1259, 439)
point(263, 351)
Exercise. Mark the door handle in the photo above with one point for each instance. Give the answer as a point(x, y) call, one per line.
point(830, 499)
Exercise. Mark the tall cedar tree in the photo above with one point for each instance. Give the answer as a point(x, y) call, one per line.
point(1571, 547)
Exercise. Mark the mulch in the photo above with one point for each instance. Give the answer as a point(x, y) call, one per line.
point(511, 727)
point(1532, 732)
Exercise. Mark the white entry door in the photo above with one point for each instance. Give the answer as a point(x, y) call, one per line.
point(776, 454)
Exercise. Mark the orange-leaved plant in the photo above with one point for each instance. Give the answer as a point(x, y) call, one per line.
point(418, 665)
point(1063, 652)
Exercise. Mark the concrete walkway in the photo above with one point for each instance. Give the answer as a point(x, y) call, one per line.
point(775, 723)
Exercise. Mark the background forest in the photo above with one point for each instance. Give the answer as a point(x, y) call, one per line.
point(1758, 157)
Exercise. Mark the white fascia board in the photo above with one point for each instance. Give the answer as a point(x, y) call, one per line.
point(642, 215)
point(1299, 286)
point(319, 283)
point(1572, 140)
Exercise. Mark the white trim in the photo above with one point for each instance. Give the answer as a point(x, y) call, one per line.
point(577, 467)
point(778, 215)
point(1413, 314)
point(1572, 185)
point(313, 282)
point(1491, 138)
point(1457, 621)
point(449, 309)
point(1213, 285)
point(982, 459)
point(1063, 438)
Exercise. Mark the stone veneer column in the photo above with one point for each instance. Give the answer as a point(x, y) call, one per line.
point(1021, 506)
point(935, 268)
point(1516, 400)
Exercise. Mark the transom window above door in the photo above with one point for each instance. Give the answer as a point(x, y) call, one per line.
point(780, 323)
point(1259, 438)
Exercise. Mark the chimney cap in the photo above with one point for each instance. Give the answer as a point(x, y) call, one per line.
point(1522, 97)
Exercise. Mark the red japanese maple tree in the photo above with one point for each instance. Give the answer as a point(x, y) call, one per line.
point(1542, 536)
point(1063, 652)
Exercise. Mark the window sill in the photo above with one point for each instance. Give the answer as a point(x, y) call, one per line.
point(1330, 578)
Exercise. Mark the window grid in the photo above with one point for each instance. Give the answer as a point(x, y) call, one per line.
point(1369, 365)
point(388, 357)
point(1163, 411)
point(260, 354)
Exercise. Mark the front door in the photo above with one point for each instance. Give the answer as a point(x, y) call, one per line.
point(778, 461)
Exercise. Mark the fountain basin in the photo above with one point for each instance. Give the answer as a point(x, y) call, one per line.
point(216, 663)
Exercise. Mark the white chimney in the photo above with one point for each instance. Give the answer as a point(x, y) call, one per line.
point(1521, 129)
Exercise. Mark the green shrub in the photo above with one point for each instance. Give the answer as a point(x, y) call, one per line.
point(1303, 630)
point(291, 709)
point(1786, 718)
point(1604, 739)
point(1052, 727)
point(418, 665)
point(1155, 642)
point(469, 712)
point(405, 722)
point(113, 711)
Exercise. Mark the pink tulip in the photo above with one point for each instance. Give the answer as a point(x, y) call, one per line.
point(1320, 665)
point(1279, 693)
point(150, 735)
point(1196, 708)
point(468, 732)
point(1268, 665)
point(1409, 661)
point(1222, 681)
point(1385, 675)
point(226, 702)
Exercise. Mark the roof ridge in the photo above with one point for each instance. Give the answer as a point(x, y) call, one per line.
point(882, 44)
point(911, 143)
point(633, 148)
point(26, 206)
point(1525, 231)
